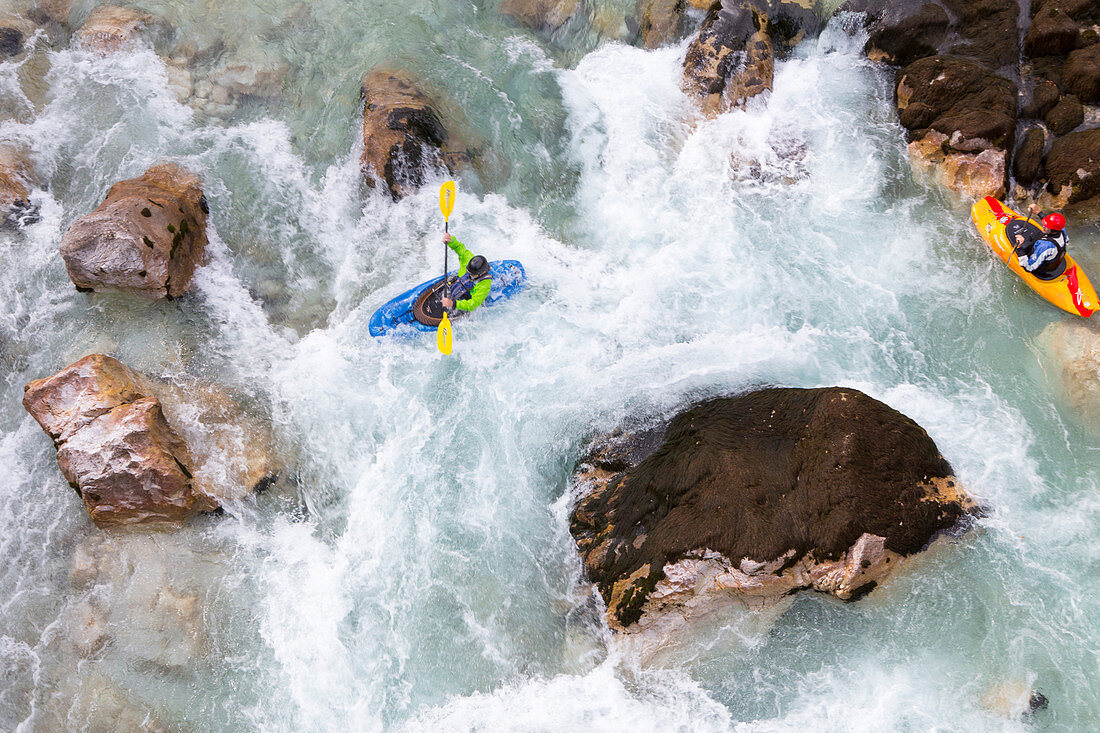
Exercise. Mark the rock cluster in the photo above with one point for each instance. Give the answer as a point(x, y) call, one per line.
point(111, 28)
point(114, 445)
point(958, 99)
point(748, 499)
point(147, 237)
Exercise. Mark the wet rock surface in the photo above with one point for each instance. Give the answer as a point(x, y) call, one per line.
point(746, 499)
point(403, 135)
point(114, 445)
point(732, 58)
point(16, 173)
point(138, 450)
point(147, 237)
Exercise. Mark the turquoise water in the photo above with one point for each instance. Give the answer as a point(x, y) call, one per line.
point(414, 571)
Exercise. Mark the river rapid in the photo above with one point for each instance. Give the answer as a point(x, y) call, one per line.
point(413, 570)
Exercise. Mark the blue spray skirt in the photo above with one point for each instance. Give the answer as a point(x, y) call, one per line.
point(508, 279)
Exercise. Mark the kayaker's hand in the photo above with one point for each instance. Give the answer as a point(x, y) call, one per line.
point(448, 303)
point(447, 238)
point(1034, 209)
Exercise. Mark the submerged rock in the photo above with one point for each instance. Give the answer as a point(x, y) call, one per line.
point(114, 445)
point(745, 500)
point(147, 237)
point(541, 15)
point(403, 135)
point(111, 28)
point(1072, 354)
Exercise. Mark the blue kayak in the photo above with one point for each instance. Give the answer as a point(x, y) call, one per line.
point(418, 308)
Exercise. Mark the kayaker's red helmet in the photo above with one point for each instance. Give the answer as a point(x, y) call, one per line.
point(1054, 221)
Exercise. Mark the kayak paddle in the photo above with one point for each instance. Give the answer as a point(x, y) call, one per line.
point(446, 205)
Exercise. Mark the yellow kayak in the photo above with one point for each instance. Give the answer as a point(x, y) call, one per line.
point(1071, 291)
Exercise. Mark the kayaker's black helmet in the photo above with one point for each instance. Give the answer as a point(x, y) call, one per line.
point(477, 266)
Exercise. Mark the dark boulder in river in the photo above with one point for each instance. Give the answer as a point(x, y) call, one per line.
point(403, 134)
point(114, 445)
point(747, 499)
point(147, 237)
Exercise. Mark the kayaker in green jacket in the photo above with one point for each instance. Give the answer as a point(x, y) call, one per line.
point(470, 290)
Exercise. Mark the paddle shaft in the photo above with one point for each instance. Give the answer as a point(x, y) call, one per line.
point(446, 252)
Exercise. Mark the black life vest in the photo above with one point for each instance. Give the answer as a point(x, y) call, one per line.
point(462, 288)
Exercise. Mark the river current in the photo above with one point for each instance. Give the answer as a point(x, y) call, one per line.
point(414, 570)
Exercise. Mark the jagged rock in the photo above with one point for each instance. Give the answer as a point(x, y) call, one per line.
point(114, 445)
point(1043, 98)
point(1065, 116)
point(111, 28)
point(751, 498)
point(1081, 74)
point(1073, 166)
point(1052, 33)
point(403, 136)
point(1029, 156)
point(147, 236)
point(541, 15)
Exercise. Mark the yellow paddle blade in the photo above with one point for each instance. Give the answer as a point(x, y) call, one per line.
point(447, 198)
point(443, 336)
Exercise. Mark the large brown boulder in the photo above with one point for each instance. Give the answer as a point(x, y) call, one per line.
point(1052, 33)
point(147, 237)
point(748, 499)
point(1073, 167)
point(403, 136)
point(114, 445)
point(541, 15)
point(1065, 116)
point(1081, 74)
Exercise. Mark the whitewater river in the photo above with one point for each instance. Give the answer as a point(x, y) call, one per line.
point(413, 570)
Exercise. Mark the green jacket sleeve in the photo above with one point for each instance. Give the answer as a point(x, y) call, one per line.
point(464, 255)
point(481, 290)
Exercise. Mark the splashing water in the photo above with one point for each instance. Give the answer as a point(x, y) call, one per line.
point(418, 573)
